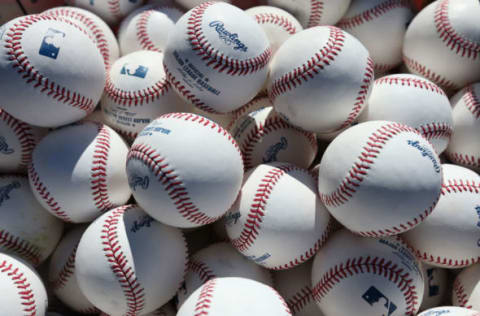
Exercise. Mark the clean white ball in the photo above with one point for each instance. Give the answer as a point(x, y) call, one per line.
point(466, 291)
point(111, 11)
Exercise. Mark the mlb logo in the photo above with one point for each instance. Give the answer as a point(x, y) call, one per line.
point(376, 299)
point(51, 43)
point(433, 290)
point(134, 70)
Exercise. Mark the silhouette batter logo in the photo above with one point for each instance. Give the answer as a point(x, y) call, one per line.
point(134, 70)
point(51, 42)
point(376, 299)
point(4, 149)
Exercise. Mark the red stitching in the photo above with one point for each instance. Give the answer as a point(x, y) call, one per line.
point(20, 247)
point(372, 13)
point(459, 186)
point(27, 296)
point(430, 75)
point(256, 135)
point(133, 291)
point(435, 130)
point(444, 261)
point(375, 265)
point(213, 57)
point(142, 33)
point(410, 82)
point(24, 135)
point(45, 195)
point(138, 97)
point(472, 102)
point(100, 38)
point(464, 159)
point(313, 66)
point(461, 45)
point(272, 18)
point(460, 295)
point(205, 298)
point(316, 13)
point(21, 63)
point(361, 96)
point(201, 269)
point(126, 134)
point(300, 299)
point(66, 272)
point(114, 8)
point(98, 181)
point(382, 68)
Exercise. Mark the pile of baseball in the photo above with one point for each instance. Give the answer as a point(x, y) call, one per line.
point(241, 158)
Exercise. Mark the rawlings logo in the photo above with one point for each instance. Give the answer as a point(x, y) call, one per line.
point(272, 152)
point(426, 153)
point(227, 37)
point(5, 191)
point(438, 312)
point(144, 221)
point(135, 181)
point(373, 296)
point(4, 149)
point(232, 218)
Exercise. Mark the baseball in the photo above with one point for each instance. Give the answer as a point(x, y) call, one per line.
point(190, 4)
point(17, 141)
point(95, 27)
point(320, 79)
point(20, 209)
point(353, 275)
point(215, 261)
point(139, 263)
point(380, 25)
point(449, 311)
point(213, 49)
point(214, 298)
point(147, 28)
point(452, 230)
point(464, 147)
point(465, 288)
point(111, 11)
point(89, 179)
point(137, 92)
point(413, 101)
point(62, 275)
point(264, 136)
point(185, 170)
point(49, 65)
point(436, 286)
point(278, 221)
point(23, 292)
point(380, 178)
point(442, 43)
point(256, 104)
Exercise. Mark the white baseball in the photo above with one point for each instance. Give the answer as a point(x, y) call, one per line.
point(147, 28)
point(165, 310)
point(320, 79)
point(95, 27)
point(78, 172)
point(312, 13)
point(215, 261)
point(62, 273)
point(295, 286)
point(23, 292)
point(26, 229)
point(380, 178)
point(380, 25)
point(436, 286)
point(127, 263)
point(264, 136)
point(218, 297)
point(449, 237)
point(190, 4)
point(17, 141)
point(255, 104)
point(111, 11)
point(353, 275)
point(279, 221)
point(277, 24)
point(466, 292)
point(49, 65)
point(137, 92)
point(414, 101)
point(223, 119)
point(464, 147)
point(216, 57)
point(185, 170)
point(443, 43)
point(449, 311)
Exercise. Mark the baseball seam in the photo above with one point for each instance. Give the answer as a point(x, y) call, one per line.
point(132, 289)
point(464, 159)
point(457, 43)
point(460, 295)
point(20, 61)
point(24, 134)
point(410, 82)
point(359, 171)
point(241, 111)
point(300, 299)
point(375, 265)
point(316, 13)
point(435, 130)
point(114, 8)
point(66, 272)
point(472, 102)
point(282, 21)
point(20, 247)
point(24, 290)
point(416, 66)
point(205, 298)
point(143, 37)
point(214, 58)
point(372, 13)
point(201, 269)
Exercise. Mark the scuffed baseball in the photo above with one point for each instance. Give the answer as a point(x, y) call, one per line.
point(466, 291)
point(436, 286)
point(138, 262)
point(111, 11)
point(78, 172)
